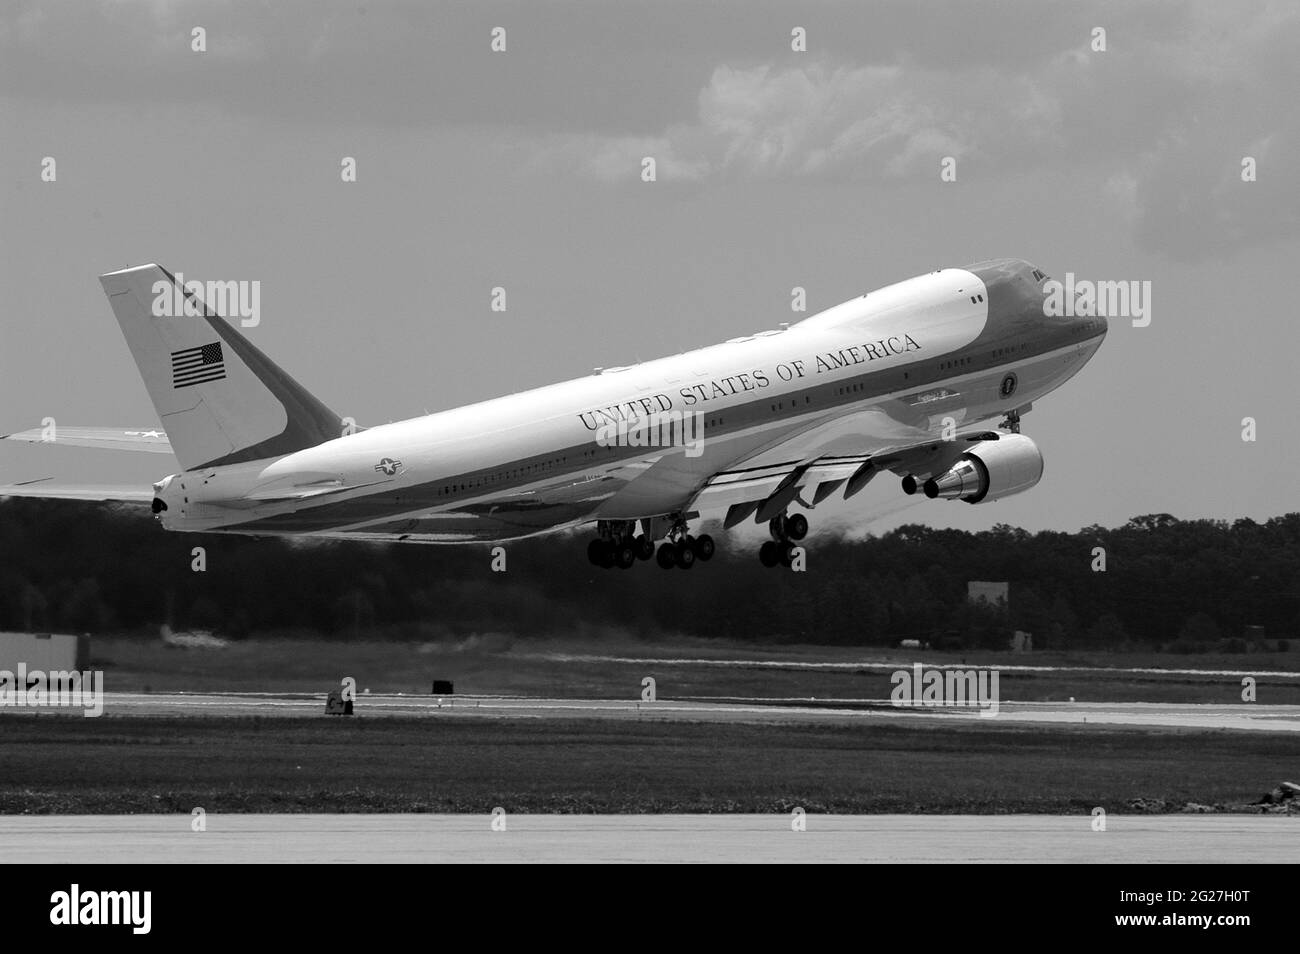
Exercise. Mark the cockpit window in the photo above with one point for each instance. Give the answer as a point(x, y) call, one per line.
point(1038, 275)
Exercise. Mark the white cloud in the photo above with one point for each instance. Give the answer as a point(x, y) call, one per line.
point(1160, 122)
point(823, 121)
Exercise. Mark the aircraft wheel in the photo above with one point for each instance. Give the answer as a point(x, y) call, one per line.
point(796, 526)
point(645, 547)
point(666, 556)
point(684, 554)
point(769, 553)
point(704, 548)
point(786, 552)
point(626, 555)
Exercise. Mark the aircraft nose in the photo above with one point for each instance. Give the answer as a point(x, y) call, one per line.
point(1090, 328)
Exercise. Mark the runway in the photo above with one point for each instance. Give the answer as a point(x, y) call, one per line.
point(81, 839)
point(1243, 716)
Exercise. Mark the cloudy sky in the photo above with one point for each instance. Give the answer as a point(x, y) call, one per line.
point(776, 169)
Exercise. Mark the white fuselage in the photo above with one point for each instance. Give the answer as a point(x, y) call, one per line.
point(916, 356)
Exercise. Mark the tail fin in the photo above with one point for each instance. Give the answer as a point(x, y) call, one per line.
point(220, 399)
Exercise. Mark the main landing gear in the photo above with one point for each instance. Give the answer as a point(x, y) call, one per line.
point(682, 550)
point(620, 544)
point(786, 532)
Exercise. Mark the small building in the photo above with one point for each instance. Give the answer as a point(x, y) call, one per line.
point(47, 652)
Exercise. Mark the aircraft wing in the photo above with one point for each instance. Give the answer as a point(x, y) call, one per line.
point(44, 487)
point(813, 464)
point(151, 440)
point(805, 463)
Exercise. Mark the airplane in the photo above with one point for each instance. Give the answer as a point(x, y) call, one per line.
point(758, 428)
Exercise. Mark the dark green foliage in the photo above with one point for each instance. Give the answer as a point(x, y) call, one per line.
point(1185, 584)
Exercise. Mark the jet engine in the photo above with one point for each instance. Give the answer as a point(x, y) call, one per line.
point(989, 470)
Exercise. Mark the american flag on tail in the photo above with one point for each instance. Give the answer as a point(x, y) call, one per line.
point(198, 365)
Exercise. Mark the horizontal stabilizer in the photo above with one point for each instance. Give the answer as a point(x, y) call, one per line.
point(45, 487)
point(150, 440)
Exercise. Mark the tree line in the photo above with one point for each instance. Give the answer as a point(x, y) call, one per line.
point(1156, 582)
